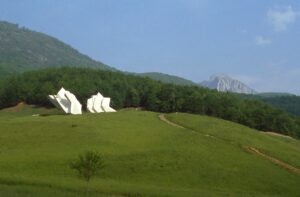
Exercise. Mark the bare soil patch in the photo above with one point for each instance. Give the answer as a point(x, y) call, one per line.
point(18, 107)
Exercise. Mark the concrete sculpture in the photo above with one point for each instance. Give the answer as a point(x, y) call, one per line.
point(94, 104)
point(97, 104)
point(66, 101)
point(105, 105)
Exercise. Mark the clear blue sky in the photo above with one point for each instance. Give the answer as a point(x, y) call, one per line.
point(256, 41)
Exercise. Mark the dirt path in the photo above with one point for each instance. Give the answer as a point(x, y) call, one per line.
point(278, 134)
point(273, 160)
point(163, 118)
point(251, 150)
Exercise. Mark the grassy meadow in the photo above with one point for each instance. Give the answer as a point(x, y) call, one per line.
point(143, 155)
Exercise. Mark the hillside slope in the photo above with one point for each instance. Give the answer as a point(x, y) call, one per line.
point(143, 156)
point(22, 49)
point(165, 78)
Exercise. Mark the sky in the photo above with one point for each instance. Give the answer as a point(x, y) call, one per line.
point(255, 41)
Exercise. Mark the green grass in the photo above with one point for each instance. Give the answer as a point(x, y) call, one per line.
point(143, 156)
point(22, 110)
point(283, 148)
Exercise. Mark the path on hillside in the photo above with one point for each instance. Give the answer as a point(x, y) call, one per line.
point(249, 149)
point(273, 160)
point(163, 118)
point(278, 134)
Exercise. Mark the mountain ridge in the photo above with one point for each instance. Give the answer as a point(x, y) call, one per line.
point(167, 78)
point(22, 49)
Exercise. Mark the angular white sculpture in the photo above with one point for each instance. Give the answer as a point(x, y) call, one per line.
point(105, 105)
point(94, 104)
point(97, 104)
point(89, 105)
point(66, 101)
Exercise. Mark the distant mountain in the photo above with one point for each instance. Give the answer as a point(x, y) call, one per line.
point(165, 78)
point(22, 49)
point(224, 83)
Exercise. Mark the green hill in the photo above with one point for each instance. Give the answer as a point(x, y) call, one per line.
point(22, 49)
point(165, 78)
point(143, 156)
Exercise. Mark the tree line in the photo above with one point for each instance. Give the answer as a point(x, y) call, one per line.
point(128, 90)
point(288, 103)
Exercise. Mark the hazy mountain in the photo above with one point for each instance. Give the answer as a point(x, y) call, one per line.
point(165, 78)
point(224, 83)
point(22, 49)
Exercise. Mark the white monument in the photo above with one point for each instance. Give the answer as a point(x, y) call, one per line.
point(66, 101)
point(97, 104)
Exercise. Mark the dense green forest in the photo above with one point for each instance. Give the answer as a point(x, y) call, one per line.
point(290, 104)
point(286, 102)
point(132, 91)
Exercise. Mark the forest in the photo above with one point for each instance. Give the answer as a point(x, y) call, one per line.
point(128, 90)
point(287, 102)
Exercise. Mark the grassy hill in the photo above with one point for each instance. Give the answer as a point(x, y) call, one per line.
point(22, 49)
point(144, 156)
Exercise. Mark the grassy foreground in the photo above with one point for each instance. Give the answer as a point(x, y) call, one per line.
point(143, 155)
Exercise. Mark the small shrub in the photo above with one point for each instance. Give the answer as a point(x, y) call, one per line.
point(88, 164)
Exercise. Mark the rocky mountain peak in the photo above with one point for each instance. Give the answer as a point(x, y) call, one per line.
point(224, 83)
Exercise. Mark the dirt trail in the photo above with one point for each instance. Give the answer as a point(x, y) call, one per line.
point(163, 118)
point(273, 160)
point(251, 150)
point(278, 134)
